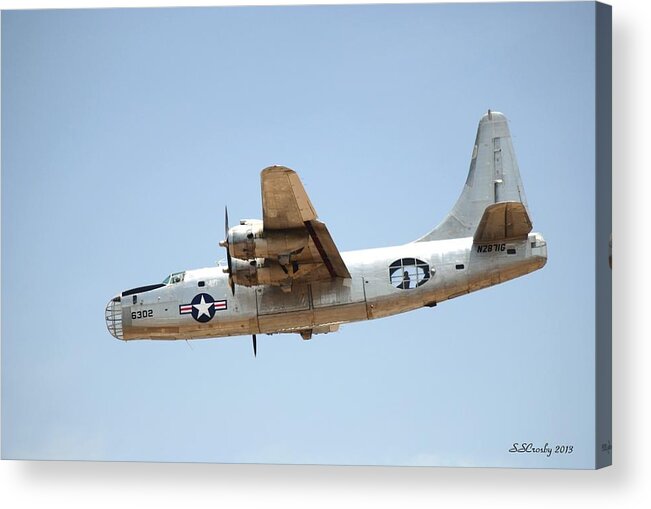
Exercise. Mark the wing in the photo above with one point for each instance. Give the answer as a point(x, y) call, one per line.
point(286, 206)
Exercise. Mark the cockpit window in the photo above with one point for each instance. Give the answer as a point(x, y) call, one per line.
point(174, 278)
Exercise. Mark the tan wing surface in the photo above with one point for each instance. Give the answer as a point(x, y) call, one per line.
point(285, 203)
point(286, 206)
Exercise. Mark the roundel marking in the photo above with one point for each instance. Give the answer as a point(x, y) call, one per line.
point(203, 307)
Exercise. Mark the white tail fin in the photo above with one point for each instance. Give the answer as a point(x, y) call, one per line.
point(494, 177)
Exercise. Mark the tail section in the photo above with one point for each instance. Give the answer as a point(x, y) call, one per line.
point(494, 177)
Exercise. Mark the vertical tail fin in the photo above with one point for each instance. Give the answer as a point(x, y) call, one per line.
point(493, 177)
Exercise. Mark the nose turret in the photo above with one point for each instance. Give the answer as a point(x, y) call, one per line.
point(113, 316)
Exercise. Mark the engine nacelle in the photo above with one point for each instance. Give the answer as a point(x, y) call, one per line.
point(258, 272)
point(249, 241)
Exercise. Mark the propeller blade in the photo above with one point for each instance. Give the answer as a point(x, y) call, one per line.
point(255, 346)
point(229, 262)
point(231, 283)
point(226, 223)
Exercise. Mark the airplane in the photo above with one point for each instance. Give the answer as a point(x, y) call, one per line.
point(284, 273)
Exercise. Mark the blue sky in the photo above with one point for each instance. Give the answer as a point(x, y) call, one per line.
point(125, 132)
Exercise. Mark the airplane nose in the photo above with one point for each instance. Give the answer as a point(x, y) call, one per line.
point(113, 316)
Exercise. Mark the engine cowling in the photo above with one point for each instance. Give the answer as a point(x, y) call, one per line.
point(258, 272)
point(249, 241)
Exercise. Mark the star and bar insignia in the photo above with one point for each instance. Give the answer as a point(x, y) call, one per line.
point(202, 307)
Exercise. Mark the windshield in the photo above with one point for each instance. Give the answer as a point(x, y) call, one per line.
point(176, 277)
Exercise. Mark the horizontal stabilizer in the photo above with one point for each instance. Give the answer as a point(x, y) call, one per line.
point(507, 220)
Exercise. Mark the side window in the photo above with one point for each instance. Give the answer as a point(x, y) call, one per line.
point(408, 273)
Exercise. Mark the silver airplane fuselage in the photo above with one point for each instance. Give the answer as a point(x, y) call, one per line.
point(277, 280)
point(384, 282)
